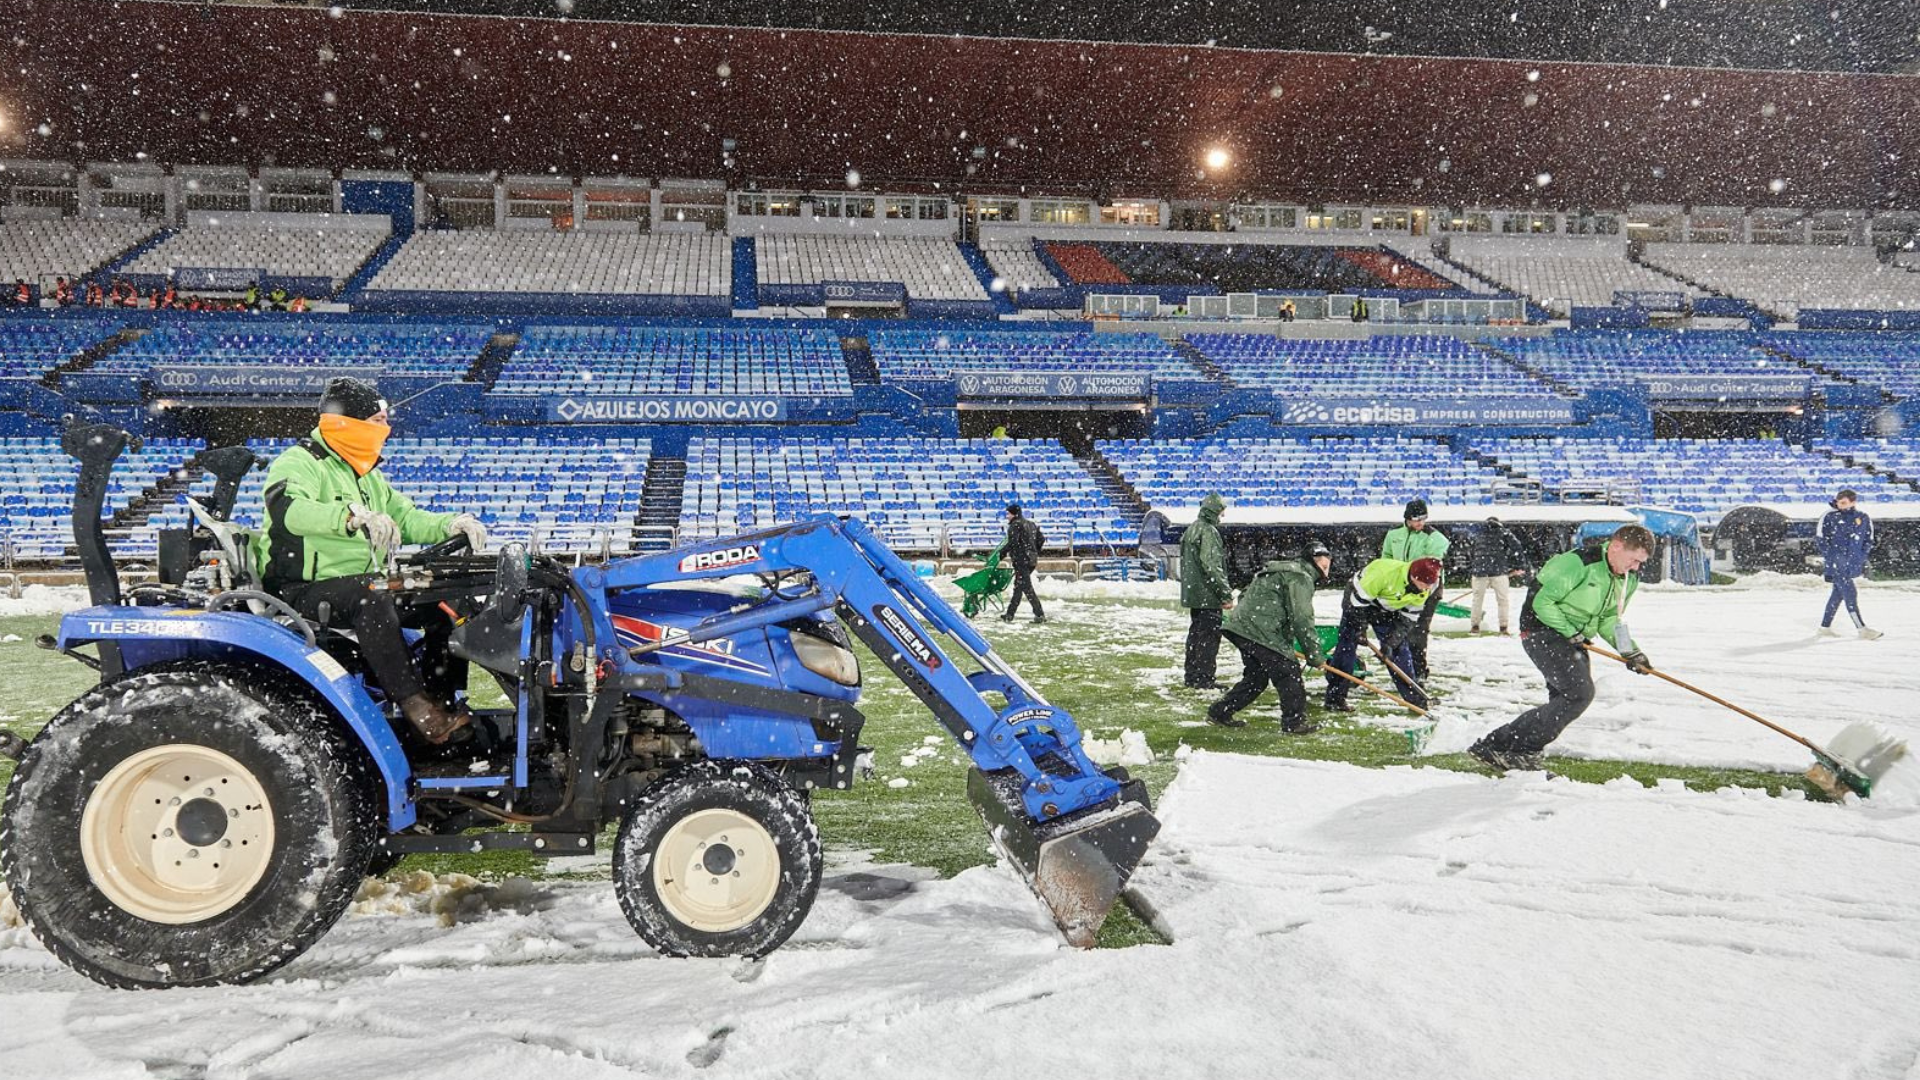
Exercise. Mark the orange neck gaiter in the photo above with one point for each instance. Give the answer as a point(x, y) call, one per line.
point(358, 442)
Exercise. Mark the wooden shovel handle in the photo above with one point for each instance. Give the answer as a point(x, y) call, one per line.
point(1749, 714)
point(1364, 684)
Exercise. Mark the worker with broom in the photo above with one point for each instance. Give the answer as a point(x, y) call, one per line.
point(1387, 598)
point(1577, 596)
point(1271, 624)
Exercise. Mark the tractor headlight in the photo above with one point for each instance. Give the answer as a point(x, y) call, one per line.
point(823, 657)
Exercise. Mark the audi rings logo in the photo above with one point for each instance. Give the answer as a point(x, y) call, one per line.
point(178, 379)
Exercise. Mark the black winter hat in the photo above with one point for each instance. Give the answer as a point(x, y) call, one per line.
point(354, 398)
point(1013, 508)
point(1415, 509)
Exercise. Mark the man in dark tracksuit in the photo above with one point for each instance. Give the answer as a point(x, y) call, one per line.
point(1023, 550)
point(1204, 591)
point(1412, 541)
point(1577, 596)
point(1274, 619)
point(1846, 539)
point(332, 521)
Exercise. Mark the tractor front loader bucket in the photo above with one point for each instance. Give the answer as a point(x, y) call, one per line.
point(1077, 863)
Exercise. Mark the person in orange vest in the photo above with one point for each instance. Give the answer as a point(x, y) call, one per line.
point(62, 291)
point(170, 297)
point(22, 292)
point(96, 296)
point(299, 303)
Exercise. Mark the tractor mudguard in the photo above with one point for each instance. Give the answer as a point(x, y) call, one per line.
point(155, 635)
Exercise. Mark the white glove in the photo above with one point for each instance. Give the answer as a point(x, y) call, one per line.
point(469, 526)
point(382, 531)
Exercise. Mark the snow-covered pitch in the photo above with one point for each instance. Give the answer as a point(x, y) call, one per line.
point(1327, 920)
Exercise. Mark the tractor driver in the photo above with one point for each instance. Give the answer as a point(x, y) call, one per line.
point(332, 521)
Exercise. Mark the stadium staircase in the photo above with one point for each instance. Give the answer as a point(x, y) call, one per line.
point(1822, 370)
point(661, 492)
point(861, 368)
point(977, 262)
point(493, 357)
point(1683, 279)
point(746, 274)
point(112, 267)
point(1213, 371)
point(1911, 480)
point(89, 356)
point(1115, 487)
point(149, 502)
point(1529, 370)
point(375, 263)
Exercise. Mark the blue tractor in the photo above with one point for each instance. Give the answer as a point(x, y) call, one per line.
point(208, 810)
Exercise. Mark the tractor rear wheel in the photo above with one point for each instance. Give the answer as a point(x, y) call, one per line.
point(717, 859)
point(186, 827)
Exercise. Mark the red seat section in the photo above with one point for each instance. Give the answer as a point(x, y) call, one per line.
point(1396, 273)
point(1086, 265)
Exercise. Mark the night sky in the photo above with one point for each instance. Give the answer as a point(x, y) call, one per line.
point(1826, 35)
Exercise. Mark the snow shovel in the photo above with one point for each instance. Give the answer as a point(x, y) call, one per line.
point(1365, 685)
point(1869, 751)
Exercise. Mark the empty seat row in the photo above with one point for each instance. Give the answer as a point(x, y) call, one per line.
point(930, 268)
point(487, 260)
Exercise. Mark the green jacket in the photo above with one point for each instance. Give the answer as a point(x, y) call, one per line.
point(1203, 560)
point(1384, 584)
point(1406, 545)
point(1276, 609)
point(309, 490)
point(1577, 593)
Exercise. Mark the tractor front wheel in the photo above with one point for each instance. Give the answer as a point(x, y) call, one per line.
point(186, 827)
point(717, 859)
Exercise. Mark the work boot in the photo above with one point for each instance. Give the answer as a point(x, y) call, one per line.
point(1507, 760)
point(1224, 719)
point(1474, 629)
point(1336, 704)
point(1302, 726)
point(1826, 631)
point(1504, 632)
point(433, 721)
point(1868, 633)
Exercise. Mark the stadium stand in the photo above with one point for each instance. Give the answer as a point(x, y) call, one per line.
point(439, 350)
point(1696, 476)
point(931, 269)
point(309, 251)
point(1786, 278)
point(1016, 264)
point(1371, 471)
point(1890, 361)
point(1593, 358)
point(1395, 364)
point(1562, 274)
point(648, 360)
point(506, 261)
point(905, 355)
point(36, 489)
point(915, 492)
point(39, 251)
point(29, 350)
point(564, 495)
point(1245, 267)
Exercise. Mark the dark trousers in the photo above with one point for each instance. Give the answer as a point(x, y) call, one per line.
point(1417, 644)
point(1843, 593)
point(1568, 669)
point(1023, 586)
point(1355, 621)
point(1203, 645)
point(1263, 667)
point(376, 621)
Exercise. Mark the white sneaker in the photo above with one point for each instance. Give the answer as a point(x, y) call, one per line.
point(1826, 631)
point(1868, 633)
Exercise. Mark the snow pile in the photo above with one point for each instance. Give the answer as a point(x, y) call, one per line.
point(1129, 749)
point(45, 600)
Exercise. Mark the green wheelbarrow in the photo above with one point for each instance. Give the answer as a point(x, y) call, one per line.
point(983, 586)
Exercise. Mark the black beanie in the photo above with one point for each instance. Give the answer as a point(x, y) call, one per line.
point(354, 398)
point(1415, 509)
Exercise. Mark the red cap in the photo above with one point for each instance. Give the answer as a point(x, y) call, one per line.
point(1424, 573)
